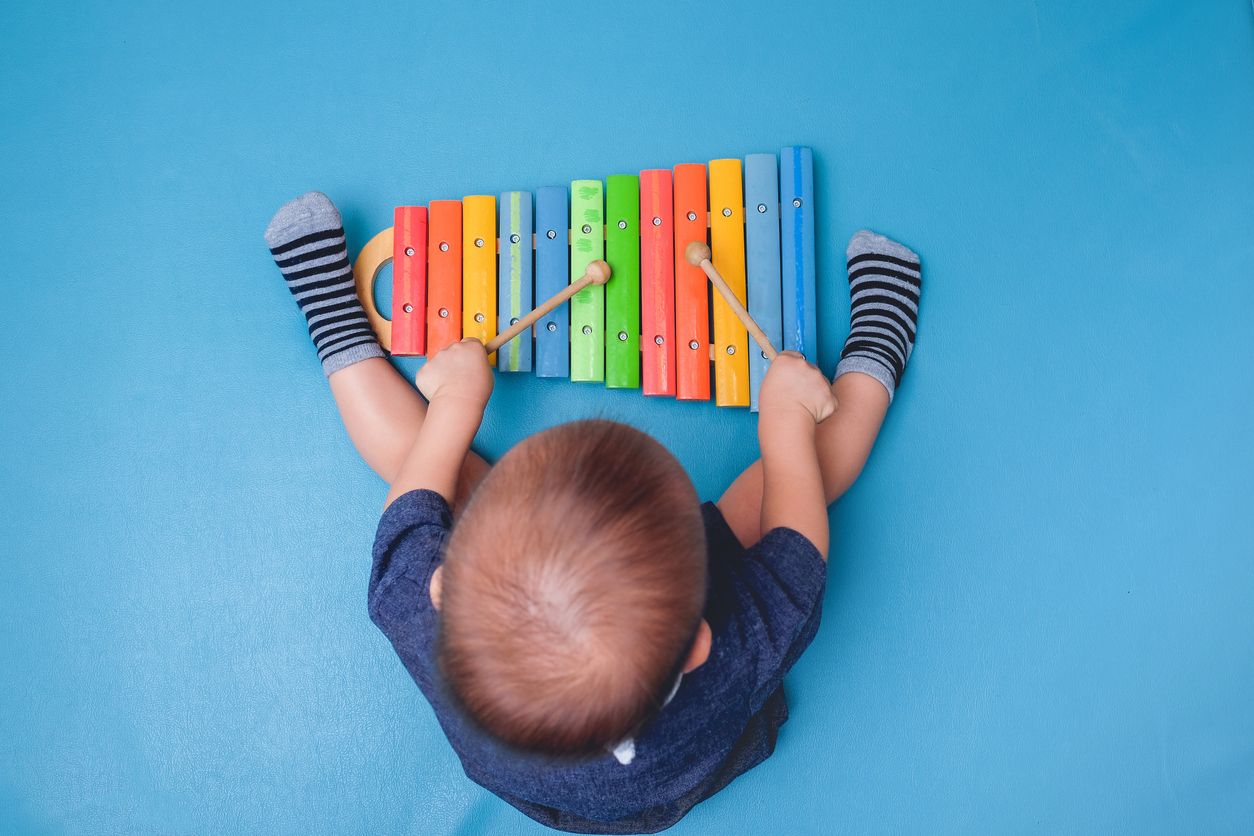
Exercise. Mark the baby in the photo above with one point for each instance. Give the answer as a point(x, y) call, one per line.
point(602, 650)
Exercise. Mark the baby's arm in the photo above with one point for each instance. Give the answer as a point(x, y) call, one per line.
point(457, 383)
point(795, 399)
point(843, 441)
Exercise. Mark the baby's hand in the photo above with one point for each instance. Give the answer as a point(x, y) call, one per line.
point(791, 383)
point(460, 371)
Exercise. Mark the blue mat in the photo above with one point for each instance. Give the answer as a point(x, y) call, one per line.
point(1039, 616)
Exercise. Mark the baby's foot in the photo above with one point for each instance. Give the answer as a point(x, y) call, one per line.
point(884, 285)
point(306, 239)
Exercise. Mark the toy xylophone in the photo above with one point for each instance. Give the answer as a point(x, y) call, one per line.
point(472, 267)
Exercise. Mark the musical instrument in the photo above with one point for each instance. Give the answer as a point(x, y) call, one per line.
point(473, 267)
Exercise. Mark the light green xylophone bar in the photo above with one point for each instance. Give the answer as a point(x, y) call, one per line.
point(587, 307)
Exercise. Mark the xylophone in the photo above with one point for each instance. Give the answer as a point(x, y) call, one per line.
point(473, 267)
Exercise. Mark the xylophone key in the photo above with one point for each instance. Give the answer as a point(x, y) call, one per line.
point(515, 298)
point(444, 275)
point(587, 307)
point(796, 186)
point(727, 241)
point(622, 294)
point(552, 274)
point(762, 260)
point(692, 289)
point(409, 281)
point(479, 268)
point(657, 282)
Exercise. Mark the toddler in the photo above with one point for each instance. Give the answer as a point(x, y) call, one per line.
point(602, 650)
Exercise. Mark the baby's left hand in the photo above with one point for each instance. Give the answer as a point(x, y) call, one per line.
point(459, 372)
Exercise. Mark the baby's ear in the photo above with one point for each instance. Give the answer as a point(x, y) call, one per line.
point(436, 586)
point(700, 647)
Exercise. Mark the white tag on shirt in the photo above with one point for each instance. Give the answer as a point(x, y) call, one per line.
point(625, 752)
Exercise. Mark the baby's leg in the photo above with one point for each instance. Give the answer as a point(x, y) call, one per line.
point(381, 411)
point(884, 284)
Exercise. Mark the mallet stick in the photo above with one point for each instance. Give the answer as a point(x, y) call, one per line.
point(698, 255)
point(598, 272)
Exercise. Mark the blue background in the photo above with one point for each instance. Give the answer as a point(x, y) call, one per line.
point(1041, 608)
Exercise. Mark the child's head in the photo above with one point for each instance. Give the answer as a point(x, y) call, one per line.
point(573, 588)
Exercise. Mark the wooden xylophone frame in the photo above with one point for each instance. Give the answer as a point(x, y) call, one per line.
point(469, 268)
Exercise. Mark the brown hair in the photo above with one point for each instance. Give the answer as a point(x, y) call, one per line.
point(572, 589)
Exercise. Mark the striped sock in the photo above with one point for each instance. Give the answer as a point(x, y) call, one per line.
point(884, 285)
point(306, 239)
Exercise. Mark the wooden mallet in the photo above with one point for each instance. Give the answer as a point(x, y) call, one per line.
point(598, 272)
point(698, 255)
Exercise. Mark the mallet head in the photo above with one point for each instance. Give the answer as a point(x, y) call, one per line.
point(696, 252)
point(599, 271)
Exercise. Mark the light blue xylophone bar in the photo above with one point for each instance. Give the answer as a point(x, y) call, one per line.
point(514, 293)
point(796, 200)
point(552, 274)
point(762, 264)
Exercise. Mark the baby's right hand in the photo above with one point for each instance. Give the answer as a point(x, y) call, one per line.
point(459, 371)
point(792, 383)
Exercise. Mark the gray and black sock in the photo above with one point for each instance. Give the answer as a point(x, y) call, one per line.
point(306, 238)
point(885, 281)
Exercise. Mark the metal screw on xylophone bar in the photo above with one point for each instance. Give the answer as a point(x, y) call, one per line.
point(698, 255)
point(598, 272)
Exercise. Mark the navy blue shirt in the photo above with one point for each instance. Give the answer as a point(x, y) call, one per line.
point(763, 608)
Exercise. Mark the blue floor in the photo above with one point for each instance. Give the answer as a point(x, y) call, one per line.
point(1040, 615)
